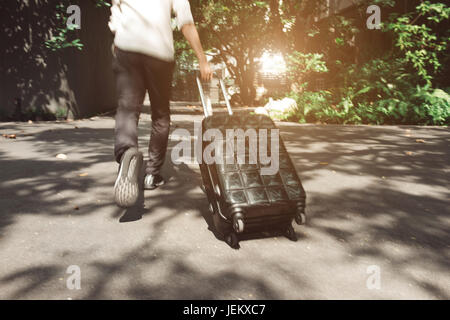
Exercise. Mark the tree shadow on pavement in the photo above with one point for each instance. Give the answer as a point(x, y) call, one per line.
point(382, 191)
point(369, 217)
point(33, 185)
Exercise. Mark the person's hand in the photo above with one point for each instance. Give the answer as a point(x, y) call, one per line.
point(205, 71)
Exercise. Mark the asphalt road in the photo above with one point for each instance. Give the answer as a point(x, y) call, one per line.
point(378, 200)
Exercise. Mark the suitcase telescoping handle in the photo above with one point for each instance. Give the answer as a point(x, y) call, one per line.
point(206, 101)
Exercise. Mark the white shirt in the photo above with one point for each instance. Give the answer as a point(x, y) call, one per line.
point(145, 26)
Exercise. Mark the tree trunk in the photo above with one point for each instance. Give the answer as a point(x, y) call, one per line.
point(279, 37)
point(247, 86)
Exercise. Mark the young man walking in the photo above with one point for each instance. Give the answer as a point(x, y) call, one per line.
point(144, 61)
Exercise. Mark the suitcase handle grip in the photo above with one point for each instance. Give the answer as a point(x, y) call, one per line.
point(206, 102)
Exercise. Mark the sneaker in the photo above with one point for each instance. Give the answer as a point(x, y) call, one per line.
point(153, 181)
point(126, 188)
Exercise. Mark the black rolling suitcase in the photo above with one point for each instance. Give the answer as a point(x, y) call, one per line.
point(241, 199)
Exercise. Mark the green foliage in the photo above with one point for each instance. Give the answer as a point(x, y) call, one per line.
point(102, 3)
point(310, 106)
point(420, 106)
point(65, 36)
point(61, 113)
point(61, 39)
point(378, 92)
point(434, 106)
point(184, 55)
point(300, 65)
point(395, 86)
point(418, 44)
point(236, 33)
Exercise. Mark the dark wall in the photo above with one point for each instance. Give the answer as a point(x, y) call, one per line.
point(34, 78)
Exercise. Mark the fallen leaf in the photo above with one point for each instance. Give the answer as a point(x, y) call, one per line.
point(323, 163)
point(420, 141)
point(61, 156)
point(408, 153)
point(76, 208)
point(84, 174)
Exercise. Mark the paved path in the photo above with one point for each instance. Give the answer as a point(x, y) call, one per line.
point(377, 196)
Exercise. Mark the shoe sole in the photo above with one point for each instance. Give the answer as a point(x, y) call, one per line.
point(126, 188)
point(156, 186)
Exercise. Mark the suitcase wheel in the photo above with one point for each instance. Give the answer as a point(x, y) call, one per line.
point(232, 240)
point(290, 233)
point(238, 223)
point(300, 218)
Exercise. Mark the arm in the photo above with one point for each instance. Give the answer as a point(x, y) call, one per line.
point(113, 18)
point(190, 33)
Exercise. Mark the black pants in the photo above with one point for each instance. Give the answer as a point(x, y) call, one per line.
point(135, 74)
